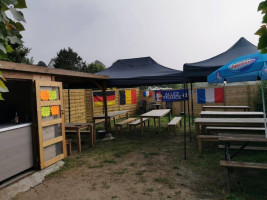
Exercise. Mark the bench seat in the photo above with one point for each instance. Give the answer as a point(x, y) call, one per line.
point(124, 122)
point(251, 165)
point(222, 129)
point(174, 123)
point(137, 122)
point(256, 148)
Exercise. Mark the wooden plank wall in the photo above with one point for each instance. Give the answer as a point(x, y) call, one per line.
point(82, 108)
point(234, 95)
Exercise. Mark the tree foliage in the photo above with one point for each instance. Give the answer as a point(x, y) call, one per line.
point(70, 60)
point(94, 67)
point(9, 31)
point(262, 32)
point(19, 54)
point(41, 63)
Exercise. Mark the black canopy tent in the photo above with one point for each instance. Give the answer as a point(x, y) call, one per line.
point(140, 72)
point(198, 72)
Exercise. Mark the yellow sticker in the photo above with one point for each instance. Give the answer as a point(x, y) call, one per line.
point(53, 95)
point(45, 111)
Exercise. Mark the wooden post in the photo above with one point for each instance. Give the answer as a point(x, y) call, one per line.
point(105, 106)
point(69, 103)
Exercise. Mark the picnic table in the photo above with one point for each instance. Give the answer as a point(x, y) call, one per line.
point(201, 123)
point(155, 114)
point(77, 127)
point(230, 114)
point(245, 108)
point(157, 105)
point(246, 138)
point(111, 115)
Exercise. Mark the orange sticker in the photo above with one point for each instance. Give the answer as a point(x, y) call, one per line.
point(45, 95)
point(55, 110)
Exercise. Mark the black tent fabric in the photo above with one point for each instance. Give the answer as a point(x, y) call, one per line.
point(198, 72)
point(140, 72)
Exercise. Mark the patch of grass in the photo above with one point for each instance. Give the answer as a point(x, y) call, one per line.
point(150, 189)
point(110, 161)
point(142, 179)
point(105, 185)
point(114, 197)
point(95, 166)
point(140, 172)
point(165, 181)
point(121, 171)
point(132, 164)
point(134, 192)
point(176, 167)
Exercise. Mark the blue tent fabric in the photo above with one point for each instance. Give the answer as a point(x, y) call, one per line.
point(198, 72)
point(140, 72)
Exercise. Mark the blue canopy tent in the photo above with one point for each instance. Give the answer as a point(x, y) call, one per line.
point(250, 67)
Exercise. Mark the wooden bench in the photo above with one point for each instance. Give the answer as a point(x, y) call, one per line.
point(124, 122)
point(206, 138)
point(136, 123)
point(253, 148)
point(174, 123)
point(68, 145)
point(233, 129)
point(99, 121)
point(250, 165)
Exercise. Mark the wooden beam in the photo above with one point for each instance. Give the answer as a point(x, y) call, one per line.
point(105, 106)
point(44, 70)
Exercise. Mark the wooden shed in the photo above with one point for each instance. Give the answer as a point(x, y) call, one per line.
point(35, 100)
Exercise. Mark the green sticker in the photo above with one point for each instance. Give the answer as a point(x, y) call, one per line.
point(46, 111)
point(53, 95)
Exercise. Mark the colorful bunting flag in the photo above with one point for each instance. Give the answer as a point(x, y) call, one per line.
point(128, 97)
point(147, 93)
point(98, 98)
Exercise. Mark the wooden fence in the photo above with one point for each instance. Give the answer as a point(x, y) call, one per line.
point(82, 108)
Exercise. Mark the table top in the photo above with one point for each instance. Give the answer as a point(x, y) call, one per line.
point(156, 113)
point(230, 120)
point(226, 137)
point(75, 126)
point(226, 107)
point(111, 114)
point(222, 113)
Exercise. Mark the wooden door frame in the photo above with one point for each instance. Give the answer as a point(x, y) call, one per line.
point(41, 124)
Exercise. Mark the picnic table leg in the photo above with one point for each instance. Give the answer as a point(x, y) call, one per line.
point(169, 116)
point(154, 121)
point(109, 124)
point(94, 129)
point(228, 158)
point(159, 125)
point(79, 140)
point(91, 136)
point(197, 129)
point(141, 123)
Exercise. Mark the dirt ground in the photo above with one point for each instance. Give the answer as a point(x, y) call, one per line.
point(135, 166)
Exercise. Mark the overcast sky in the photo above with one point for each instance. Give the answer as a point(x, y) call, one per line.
point(172, 32)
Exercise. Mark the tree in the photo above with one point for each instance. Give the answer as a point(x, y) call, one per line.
point(95, 67)
point(9, 31)
point(42, 63)
point(70, 60)
point(19, 54)
point(262, 32)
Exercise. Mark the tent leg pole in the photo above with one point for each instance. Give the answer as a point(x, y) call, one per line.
point(189, 117)
point(192, 103)
point(69, 103)
point(184, 126)
point(263, 105)
point(104, 89)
